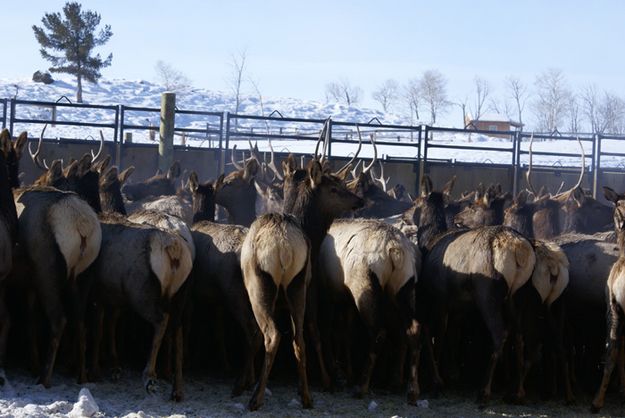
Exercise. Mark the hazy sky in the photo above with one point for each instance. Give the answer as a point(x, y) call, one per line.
point(294, 48)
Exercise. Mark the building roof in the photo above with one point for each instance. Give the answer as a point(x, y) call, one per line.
point(495, 117)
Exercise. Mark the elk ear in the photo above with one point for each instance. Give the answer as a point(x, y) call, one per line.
point(579, 196)
point(109, 176)
point(289, 166)
point(71, 170)
point(174, 170)
point(5, 142)
point(220, 181)
point(521, 198)
point(55, 172)
point(123, 176)
point(344, 172)
point(315, 173)
point(449, 186)
point(101, 165)
point(619, 220)
point(193, 182)
point(426, 186)
point(250, 170)
point(18, 146)
point(84, 165)
point(610, 194)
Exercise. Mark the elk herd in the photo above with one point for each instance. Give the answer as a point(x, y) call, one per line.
point(436, 289)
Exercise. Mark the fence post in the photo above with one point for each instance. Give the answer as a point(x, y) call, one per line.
point(12, 117)
point(597, 154)
point(329, 139)
point(166, 133)
point(4, 113)
point(516, 148)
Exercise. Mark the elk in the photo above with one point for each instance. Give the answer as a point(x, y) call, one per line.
point(375, 266)
point(145, 268)
point(570, 211)
point(487, 208)
point(275, 259)
point(615, 295)
point(279, 254)
point(158, 193)
point(378, 204)
point(61, 237)
point(486, 265)
point(8, 233)
point(236, 192)
point(549, 280)
point(217, 269)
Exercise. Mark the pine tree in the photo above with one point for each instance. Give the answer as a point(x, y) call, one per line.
point(74, 35)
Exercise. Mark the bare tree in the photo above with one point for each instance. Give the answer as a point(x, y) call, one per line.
point(482, 90)
point(552, 101)
point(611, 114)
point(236, 77)
point(170, 78)
point(517, 91)
point(259, 95)
point(386, 94)
point(501, 107)
point(434, 89)
point(590, 104)
point(343, 92)
point(412, 93)
point(574, 114)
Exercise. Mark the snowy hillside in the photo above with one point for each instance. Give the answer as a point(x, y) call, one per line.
point(141, 93)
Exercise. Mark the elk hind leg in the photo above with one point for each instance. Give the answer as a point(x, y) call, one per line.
point(263, 294)
point(296, 300)
point(369, 303)
point(615, 331)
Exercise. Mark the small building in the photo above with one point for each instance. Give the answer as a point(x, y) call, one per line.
point(493, 122)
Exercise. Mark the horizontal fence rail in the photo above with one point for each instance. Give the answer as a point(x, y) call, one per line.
point(430, 147)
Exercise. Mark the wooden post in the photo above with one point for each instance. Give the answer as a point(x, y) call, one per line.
point(166, 134)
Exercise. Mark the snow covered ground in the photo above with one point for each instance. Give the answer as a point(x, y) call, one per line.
point(141, 93)
point(211, 398)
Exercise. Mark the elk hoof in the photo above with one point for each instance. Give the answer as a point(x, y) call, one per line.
point(594, 408)
point(44, 382)
point(177, 395)
point(116, 373)
point(255, 403)
point(482, 399)
point(307, 402)
point(237, 390)
point(359, 393)
point(569, 401)
point(412, 397)
point(151, 386)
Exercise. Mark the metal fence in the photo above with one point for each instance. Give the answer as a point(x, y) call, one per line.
point(431, 148)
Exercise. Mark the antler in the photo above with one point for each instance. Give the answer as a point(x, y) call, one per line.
point(234, 163)
point(381, 180)
point(529, 170)
point(35, 156)
point(346, 166)
point(95, 157)
point(355, 170)
point(366, 169)
point(325, 136)
point(564, 195)
point(272, 163)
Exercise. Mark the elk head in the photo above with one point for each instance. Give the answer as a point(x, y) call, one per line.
point(619, 214)
point(236, 192)
point(203, 198)
point(110, 189)
point(13, 153)
point(158, 185)
point(7, 204)
point(487, 208)
point(429, 211)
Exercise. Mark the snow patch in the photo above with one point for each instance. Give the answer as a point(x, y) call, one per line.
point(86, 405)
